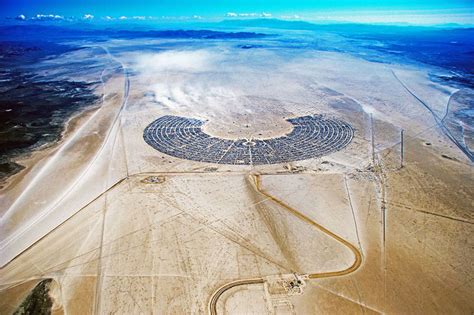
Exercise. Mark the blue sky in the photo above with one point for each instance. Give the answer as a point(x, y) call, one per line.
point(436, 11)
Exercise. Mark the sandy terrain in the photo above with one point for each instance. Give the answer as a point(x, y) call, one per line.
point(123, 228)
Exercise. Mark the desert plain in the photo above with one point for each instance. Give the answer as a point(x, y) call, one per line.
point(382, 223)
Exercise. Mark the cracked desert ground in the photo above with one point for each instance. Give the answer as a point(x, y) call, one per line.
point(122, 228)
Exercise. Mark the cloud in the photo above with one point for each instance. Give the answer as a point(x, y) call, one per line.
point(88, 17)
point(197, 17)
point(20, 17)
point(248, 14)
point(47, 17)
point(186, 96)
point(291, 17)
point(179, 65)
point(135, 17)
point(175, 61)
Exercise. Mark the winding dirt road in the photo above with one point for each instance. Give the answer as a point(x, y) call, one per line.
point(256, 178)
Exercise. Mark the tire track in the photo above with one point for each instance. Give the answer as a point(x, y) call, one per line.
point(256, 179)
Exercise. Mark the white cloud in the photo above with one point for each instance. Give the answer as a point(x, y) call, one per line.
point(21, 17)
point(88, 17)
point(47, 17)
point(248, 14)
point(122, 17)
point(168, 73)
point(175, 61)
point(291, 17)
point(197, 17)
point(141, 18)
point(108, 18)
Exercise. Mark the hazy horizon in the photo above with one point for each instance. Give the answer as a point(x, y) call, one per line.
point(386, 12)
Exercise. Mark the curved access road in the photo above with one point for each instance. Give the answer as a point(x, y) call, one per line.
point(355, 265)
point(216, 295)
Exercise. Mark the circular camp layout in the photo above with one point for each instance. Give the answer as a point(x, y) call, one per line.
point(312, 136)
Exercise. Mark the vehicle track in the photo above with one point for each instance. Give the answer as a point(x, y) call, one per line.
point(256, 178)
point(50, 162)
point(439, 121)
